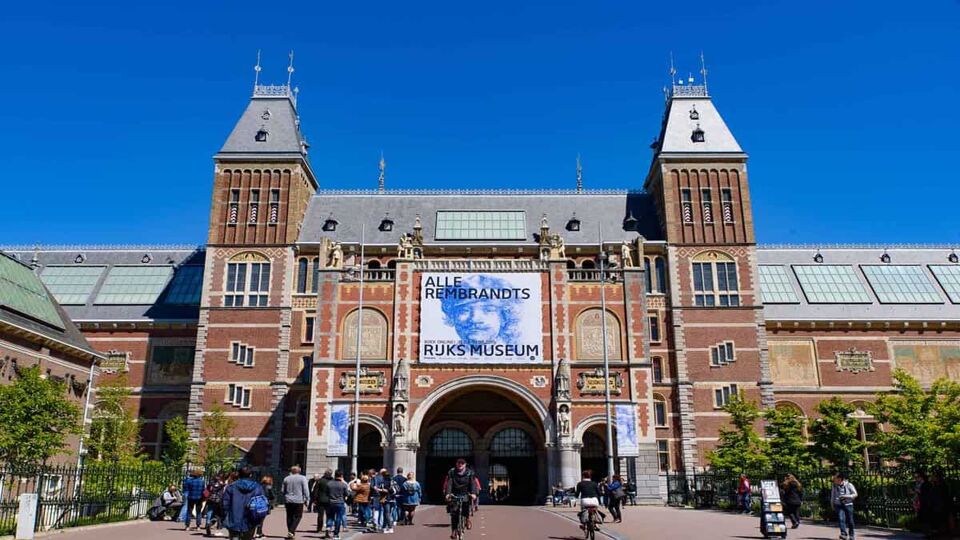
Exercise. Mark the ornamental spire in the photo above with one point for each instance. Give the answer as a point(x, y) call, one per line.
point(579, 175)
point(382, 183)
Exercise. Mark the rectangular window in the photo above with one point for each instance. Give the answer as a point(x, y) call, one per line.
point(726, 291)
point(308, 325)
point(660, 412)
point(726, 199)
point(663, 455)
point(238, 396)
point(247, 284)
point(302, 275)
point(775, 286)
point(233, 212)
point(897, 284)
point(254, 205)
point(316, 275)
point(831, 284)
point(686, 205)
point(723, 394)
point(654, 328)
point(274, 207)
point(949, 278)
point(721, 354)
point(481, 225)
point(706, 202)
point(306, 369)
point(241, 354)
point(657, 364)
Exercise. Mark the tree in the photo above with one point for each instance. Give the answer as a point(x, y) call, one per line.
point(921, 425)
point(835, 434)
point(178, 443)
point(219, 444)
point(36, 417)
point(115, 430)
point(787, 446)
point(741, 448)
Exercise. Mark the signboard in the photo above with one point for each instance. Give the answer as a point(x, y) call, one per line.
point(591, 384)
point(27, 516)
point(854, 361)
point(338, 436)
point(769, 491)
point(627, 444)
point(475, 318)
point(371, 382)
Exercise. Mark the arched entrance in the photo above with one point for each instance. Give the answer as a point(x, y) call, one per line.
point(369, 449)
point(593, 453)
point(500, 434)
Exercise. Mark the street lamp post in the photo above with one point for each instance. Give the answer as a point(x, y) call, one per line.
point(606, 358)
point(356, 381)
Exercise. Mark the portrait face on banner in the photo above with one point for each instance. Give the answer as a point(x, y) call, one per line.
point(481, 318)
point(339, 434)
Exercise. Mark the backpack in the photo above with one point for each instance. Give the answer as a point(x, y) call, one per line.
point(216, 495)
point(257, 508)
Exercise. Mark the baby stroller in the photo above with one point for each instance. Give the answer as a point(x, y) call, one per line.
point(157, 510)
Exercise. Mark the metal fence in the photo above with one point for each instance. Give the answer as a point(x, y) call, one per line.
point(885, 495)
point(95, 493)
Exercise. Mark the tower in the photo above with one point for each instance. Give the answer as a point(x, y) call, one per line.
point(262, 186)
point(698, 177)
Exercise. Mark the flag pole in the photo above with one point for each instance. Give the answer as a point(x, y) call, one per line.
point(606, 357)
point(356, 381)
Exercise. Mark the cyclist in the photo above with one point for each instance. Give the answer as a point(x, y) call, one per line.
point(589, 494)
point(460, 483)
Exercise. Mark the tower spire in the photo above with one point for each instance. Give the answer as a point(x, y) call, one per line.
point(579, 175)
point(382, 183)
point(256, 70)
point(673, 71)
point(290, 70)
point(703, 72)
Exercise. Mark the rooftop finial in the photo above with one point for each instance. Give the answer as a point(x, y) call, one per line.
point(673, 71)
point(256, 70)
point(703, 71)
point(382, 184)
point(290, 69)
point(579, 175)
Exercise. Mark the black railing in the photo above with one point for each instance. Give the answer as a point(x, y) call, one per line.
point(885, 498)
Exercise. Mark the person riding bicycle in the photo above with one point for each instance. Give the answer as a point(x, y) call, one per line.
point(589, 494)
point(460, 485)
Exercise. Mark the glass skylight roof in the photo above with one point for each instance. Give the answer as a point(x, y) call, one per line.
point(900, 284)
point(775, 286)
point(134, 284)
point(185, 287)
point(22, 292)
point(481, 225)
point(831, 284)
point(71, 284)
point(949, 277)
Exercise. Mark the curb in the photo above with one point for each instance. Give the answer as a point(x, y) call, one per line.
point(55, 532)
point(601, 532)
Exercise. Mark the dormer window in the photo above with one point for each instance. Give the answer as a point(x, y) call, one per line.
point(330, 224)
point(261, 135)
point(694, 115)
point(885, 258)
point(697, 135)
point(630, 224)
point(386, 225)
point(574, 224)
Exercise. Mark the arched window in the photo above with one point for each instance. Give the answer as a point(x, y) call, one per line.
point(661, 268)
point(247, 280)
point(715, 281)
point(571, 264)
point(373, 264)
point(316, 275)
point(373, 341)
point(511, 442)
point(659, 410)
point(593, 446)
point(588, 264)
point(647, 274)
point(392, 264)
point(589, 329)
point(302, 275)
point(450, 442)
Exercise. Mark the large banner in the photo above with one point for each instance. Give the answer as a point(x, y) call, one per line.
point(338, 437)
point(627, 443)
point(481, 318)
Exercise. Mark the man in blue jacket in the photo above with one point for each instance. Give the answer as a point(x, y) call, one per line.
point(236, 498)
point(193, 487)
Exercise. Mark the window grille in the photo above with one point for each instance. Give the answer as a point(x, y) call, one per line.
point(687, 205)
point(234, 211)
point(715, 284)
point(274, 206)
point(726, 199)
point(449, 442)
point(511, 442)
point(254, 205)
point(706, 201)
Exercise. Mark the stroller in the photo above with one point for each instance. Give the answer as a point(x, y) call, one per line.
point(158, 511)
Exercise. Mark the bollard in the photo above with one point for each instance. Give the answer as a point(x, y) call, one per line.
point(27, 516)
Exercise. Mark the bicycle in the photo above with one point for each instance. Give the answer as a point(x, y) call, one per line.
point(459, 502)
point(590, 527)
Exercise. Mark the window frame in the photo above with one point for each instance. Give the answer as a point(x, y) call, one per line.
point(242, 354)
point(656, 368)
point(240, 297)
point(660, 412)
point(722, 354)
point(715, 296)
point(663, 454)
point(653, 322)
point(722, 394)
point(238, 395)
point(308, 334)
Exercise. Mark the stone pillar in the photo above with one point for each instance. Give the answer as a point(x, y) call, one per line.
point(648, 475)
point(403, 455)
point(569, 464)
point(482, 468)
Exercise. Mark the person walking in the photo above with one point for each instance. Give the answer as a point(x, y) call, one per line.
point(193, 487)
point(841, 497)
point(337, 491)
point(311, 484)
point(214, 505)
point(320, 497)
point(353, 482)
point(296, 496)
point(412, 495)
point(361, 496)
point(266, 484)
point(743, 494)
point(388, 501)
point(236, 499)
point(791, 490)
point(399, 479)
point(615, 497)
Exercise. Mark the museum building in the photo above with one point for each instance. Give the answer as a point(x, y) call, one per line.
point(482, 318)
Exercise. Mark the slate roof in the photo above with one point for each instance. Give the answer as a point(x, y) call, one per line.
point(594, 209)
point(857, 257)
point(676, 135)
point(276, 115)
point(50, 321)
point(169, 305)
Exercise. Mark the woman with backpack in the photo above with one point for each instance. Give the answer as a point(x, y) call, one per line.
point(214, 502)
point(244, 506)
point(615, 494)
point(361, 496)
point(266, 485)
point(412, 495)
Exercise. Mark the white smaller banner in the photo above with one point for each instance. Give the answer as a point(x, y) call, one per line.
point(627, 444)
point(338, 437)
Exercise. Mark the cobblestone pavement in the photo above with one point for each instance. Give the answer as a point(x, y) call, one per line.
point(513, 522)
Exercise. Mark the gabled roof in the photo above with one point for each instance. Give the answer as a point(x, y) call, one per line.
point(689, 108)
point(609, 209)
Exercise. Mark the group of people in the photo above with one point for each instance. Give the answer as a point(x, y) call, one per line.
point(380, 500)
point(933, 503)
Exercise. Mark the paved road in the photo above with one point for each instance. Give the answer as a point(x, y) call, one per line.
point(512, 522)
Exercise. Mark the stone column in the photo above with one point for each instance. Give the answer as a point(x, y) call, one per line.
point(403, 455)
point(482, 468)
point(569, 464)
point(648, 475)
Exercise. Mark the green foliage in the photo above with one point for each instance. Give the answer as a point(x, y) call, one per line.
point(740, 448)
point(835, 434)
point(219, 448)
point(179, 446)
point(786, 444)
point(922, 426)
point(115, 430)
point(36, 417)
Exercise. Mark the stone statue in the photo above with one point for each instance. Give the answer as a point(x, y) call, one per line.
point(336, 256)
point(405, 249)
point(398, 420)
point(557, 248)
point(563, 420)
point(400, 381)
point(563, 381)
point(543, 222)
point(626, 255)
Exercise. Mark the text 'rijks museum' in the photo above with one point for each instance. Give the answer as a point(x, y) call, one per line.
point(479, 316)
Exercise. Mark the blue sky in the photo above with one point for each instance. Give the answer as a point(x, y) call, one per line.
point(112, 110)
